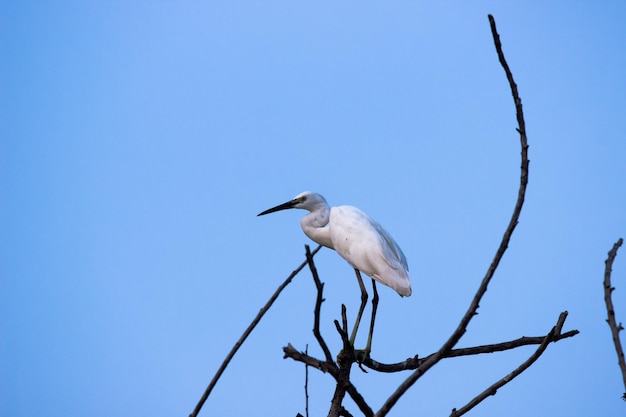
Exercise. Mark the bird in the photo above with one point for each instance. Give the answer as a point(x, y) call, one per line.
point(358, 239)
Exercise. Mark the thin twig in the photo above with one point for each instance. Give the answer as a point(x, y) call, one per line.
point(246, 333)
point(471, 311)
point(348, 348)
point(615, 328)
point(556, 330)
point(291, 352)
point(319, 285)
point(306, 384)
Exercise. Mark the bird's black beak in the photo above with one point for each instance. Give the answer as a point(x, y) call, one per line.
point(284, 206)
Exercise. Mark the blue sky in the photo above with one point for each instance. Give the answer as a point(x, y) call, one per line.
point(140, 139)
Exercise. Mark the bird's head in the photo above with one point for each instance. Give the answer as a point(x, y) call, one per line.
point(307, 200)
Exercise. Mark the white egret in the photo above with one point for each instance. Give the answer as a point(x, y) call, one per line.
point(358, 239)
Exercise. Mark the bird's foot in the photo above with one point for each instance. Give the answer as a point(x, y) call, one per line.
point(361, 355)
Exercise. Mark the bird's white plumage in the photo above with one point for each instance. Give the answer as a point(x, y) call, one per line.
point(356, 237)
point(368, 247)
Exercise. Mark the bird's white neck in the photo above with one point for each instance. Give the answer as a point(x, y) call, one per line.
point(315, 226)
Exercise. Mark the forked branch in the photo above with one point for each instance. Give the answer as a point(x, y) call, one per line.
point(550, 337)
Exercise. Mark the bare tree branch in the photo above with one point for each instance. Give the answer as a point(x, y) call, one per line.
point(246, 333)
point(343, 331)
point(345, 413)
point(415, 362)
point(340, 370)
point(318, 306)
point(556, 330)
point(306, 384)
point(472, 310)
point(340, 376)
point(615, 328)
point(293, 353)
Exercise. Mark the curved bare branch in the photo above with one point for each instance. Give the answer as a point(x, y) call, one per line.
point(556, 330)
point(615, 328)
point(471, 311)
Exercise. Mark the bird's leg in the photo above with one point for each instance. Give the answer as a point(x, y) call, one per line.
point(363, 302)
point(368, 347)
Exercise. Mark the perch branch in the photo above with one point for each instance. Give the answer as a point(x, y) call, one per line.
point(337, 373)
point(615, 328)
point(341, 373)
point(246, 333)
point(415, 362)
point(472, 310)
point(340, 370)
point(556, 330)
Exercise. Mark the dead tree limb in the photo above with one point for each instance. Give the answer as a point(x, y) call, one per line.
point(341, 378)
point(415, 362)
point(340, 370)
point(472, 310)
point(556, 330)
point(246, 333)
point(615, 328)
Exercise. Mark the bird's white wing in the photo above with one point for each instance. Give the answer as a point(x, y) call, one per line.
point(353, 232)
point(390, 246)
point(369, 248)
